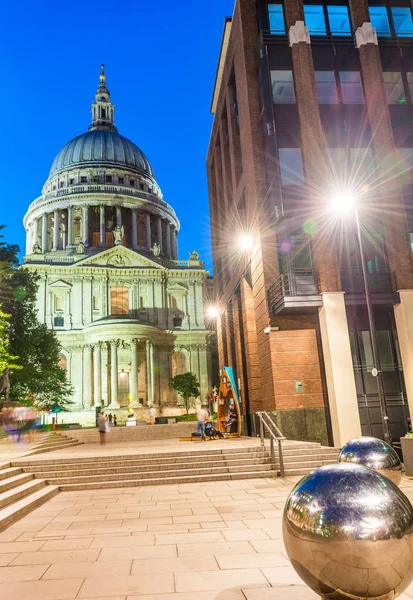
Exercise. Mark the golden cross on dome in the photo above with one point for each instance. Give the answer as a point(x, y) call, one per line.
point(102, 75)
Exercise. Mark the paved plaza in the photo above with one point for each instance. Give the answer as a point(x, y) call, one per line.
point(219, 541)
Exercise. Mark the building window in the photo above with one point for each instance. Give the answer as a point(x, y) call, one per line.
point(351, 90)
point(141, 302)
point(276, 17)
point(402, 19)
point(380, 20)
point(339, 20)
point(108, 178)
point(393, 85)
point(132, 182)
point(58, 303)
point(178, 363)
point(103, 113)
point(282, 87)
point(314, 19)
point(62, 361)
point(291, 166)
point(83, 179)
point(61, 184)
point(404, 166)
point(325, 82)
point(59, 322)
point(71, 181)
point(119, 301)
point(121, 180)
point(95, 302)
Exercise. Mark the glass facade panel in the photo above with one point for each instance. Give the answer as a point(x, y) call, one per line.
point(339, 20)
point(380, 20)
point(402, 19)
point(276, 18)
point(282, 87)
point(314, 19)
point(394, 87)
point(384, 346)
point(366, 351)
point(410, 83)
point(404, 165)
point(351, 87)
point(326, 87)
point(291, 166)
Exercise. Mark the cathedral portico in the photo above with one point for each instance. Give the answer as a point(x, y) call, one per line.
point(129, 314)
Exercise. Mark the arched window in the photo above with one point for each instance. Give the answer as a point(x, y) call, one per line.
point(62, 361)
point(119, 301)
point(178, 363)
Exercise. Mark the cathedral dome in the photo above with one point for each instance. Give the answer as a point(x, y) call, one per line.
point(101, 147)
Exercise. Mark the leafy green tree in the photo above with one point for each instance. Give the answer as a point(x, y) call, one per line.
point(187, 386)
point(40, 381)
point(7, 360)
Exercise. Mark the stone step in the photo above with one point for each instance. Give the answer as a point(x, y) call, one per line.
point(310, 458)
point(156, 474)
point(125, 457)
point(9, 472)
point(167, 480)
point(21, 491)
point(50, 449)
point(19, 509)
point(138, 462)
point(137, 467)
point(13, 482)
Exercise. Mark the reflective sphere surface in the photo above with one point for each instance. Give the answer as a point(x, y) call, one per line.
point(348, 532)
point(375, 454)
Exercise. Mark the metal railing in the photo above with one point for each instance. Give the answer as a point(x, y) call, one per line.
point(379, 280)
point(301, 282)
point(267, 425)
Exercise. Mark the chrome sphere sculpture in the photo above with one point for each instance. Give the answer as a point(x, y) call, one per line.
point(375, 454)
point(348, 532)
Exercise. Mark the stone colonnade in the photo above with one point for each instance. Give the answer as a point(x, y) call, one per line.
point(101, 371)
point(55, 230)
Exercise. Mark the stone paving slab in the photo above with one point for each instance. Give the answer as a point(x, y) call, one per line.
point(221, 541)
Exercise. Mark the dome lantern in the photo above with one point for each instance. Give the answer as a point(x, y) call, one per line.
point(103, 111)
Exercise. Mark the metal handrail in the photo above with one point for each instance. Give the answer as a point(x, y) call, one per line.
point(275, 434)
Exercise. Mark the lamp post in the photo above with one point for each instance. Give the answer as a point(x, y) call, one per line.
point(345, 203)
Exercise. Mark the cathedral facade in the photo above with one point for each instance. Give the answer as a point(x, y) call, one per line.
point(128, 313)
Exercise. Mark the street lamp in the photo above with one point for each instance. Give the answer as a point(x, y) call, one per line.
point(345, 202)
point(212, 312)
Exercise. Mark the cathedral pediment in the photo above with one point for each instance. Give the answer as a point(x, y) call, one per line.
point(59, 284)
point(120, 257)
point(176, 288)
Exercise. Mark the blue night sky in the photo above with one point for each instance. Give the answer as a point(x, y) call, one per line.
point(160, 60)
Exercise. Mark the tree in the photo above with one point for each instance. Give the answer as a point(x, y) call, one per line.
point(187, 386)
point(7, 360)
point(40, 381)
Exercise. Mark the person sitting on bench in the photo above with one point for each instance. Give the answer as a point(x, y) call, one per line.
point(232, 418)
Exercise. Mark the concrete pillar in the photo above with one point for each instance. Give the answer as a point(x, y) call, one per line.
point(341, 386)
point(102, 229)
point(403, 313)
point(36, 232)
point(97, 368)
point(159, 235)
point(104, 374)
point(69, 226)
point(148, 231)
point(55, 230)
point(114, 374)
point(86, 225)
point(174, 244)
point(87, 376)
point(134, 229)
point(168, 240)
point(44, 233)
point(118, 216)
point(134, 372)
point(149, 372)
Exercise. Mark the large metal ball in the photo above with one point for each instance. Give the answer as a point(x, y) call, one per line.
point(348, 532)
point(375, 454)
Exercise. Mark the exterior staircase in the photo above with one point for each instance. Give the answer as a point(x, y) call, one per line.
point(176, 467)
point(52, 441)
point(20, 493)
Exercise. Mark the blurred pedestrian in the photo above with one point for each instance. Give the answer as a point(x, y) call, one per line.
point(102, 427)
point(152, 413)
point(202, 417)
point(115, 421)
point(110, 418)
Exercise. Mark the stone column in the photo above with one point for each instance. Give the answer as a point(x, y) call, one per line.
point(149, 372)
point(403, 313)
point(134, 229)
point(44, 233)
point(28, 240)
point(134, 372)
point(87, 376)
point(148, 231)
point(86, 225)
point(114, 374)
point(341, 386)
point(118, 216)
point(160, 234)
point(69, 227)
point(97, 368)
point(36, 232)
point(104, 374)
point(168, 240)
point(55, 230)
point(102, 240)
point(174, 244)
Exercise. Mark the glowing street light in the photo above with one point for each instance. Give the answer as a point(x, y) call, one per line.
point(245, 242)
point(345, 202)
point(212, 312)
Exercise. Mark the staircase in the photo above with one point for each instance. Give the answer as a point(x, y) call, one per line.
point(175, 467)
point(52, 441)
point(20, 493)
